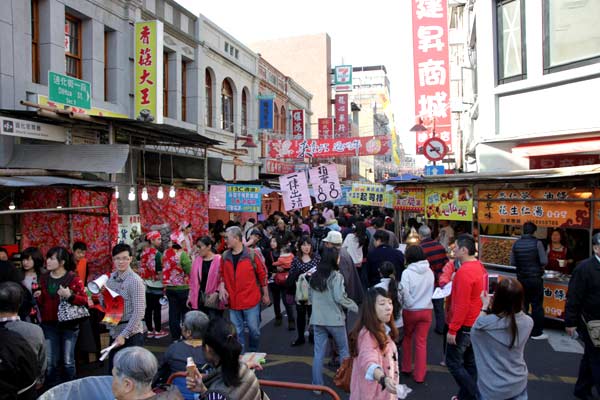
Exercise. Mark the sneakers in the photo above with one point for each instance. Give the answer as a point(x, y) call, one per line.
point(541, 336)
point(291, 325)
point(150, 334)
point(160, 334)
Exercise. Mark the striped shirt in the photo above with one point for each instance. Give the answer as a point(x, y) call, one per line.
point(131, 287)
point(436, 255)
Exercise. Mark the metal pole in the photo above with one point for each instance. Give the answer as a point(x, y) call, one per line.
point(206, 169)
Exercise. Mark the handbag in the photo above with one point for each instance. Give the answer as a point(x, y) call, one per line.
point(593, 328)
point(344, 374)
point(71, 312)
point(211, 300)
point(281, 278)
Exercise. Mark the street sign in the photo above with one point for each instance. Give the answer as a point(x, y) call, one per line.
point(68, 90)
point(431, 170)
point(434, 149)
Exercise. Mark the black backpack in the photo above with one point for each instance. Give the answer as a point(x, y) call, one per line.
point(19, 367)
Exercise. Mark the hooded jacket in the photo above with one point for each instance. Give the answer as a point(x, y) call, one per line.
point(501, 370)
point(417, 282)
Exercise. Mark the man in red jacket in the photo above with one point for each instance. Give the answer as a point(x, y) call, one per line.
point(243, 276)
point(466, 304)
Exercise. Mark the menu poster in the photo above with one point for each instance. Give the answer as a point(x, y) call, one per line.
point(410, 199)
point(449, 203)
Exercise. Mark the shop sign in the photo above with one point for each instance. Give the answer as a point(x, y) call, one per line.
point(44, 101)
point(68, 90)
point(343, 200)
point(298, 123)
point(32, 130)
point(563, 160)
point(148, 59)
point(515, 207)
point(323, 148)
point(130, 228)
point(389, 199)
point(342, 125)
point(367, 194)
point(432, 69)
point(449, 203)
point(243, 198)
point(343, 78)
point(265, 113)
point(325, 128)
point(270, 205)
point(325, 182)
point(216, 197)
point(278, 167)
point(294, 190)
point(555, 300)
point(410, 199)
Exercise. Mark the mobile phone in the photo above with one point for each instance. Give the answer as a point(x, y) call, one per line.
point(492, 283)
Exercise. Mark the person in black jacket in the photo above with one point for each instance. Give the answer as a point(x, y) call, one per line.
point(529, 256)
point(382, 252)
point(583, 303)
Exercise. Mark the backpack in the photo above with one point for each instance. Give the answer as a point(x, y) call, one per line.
point(19, 369)
point(302, 288)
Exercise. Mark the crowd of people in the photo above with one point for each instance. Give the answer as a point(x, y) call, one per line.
point(319, 268)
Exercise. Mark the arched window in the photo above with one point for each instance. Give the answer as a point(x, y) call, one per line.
point(208, 97)
point(283, 121)
point(244, 112)
point(275, 118)
point(227, 106)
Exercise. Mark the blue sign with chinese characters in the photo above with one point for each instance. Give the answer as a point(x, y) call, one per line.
point(243, 198)
point(265, 114)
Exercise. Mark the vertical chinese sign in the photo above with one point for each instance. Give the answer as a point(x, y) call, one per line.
point(298, 124)
point(294, 189)
point(341, 116)
point(326, 183)
point(149, 71)
point(431, 69)
point(325, 128)
point(265, 114)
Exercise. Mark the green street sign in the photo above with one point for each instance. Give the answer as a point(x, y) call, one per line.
point(68, 90)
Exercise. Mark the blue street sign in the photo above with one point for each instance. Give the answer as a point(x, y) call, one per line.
point(434, 170)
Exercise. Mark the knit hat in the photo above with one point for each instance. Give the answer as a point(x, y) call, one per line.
point(153, 235)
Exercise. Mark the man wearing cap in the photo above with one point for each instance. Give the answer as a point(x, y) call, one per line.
point(382, 252)
point(176, 280)
point(346, 266)
point(151, 272)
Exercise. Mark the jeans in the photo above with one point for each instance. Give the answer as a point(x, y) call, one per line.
point(321, 334)
point(416, 324)
point(177, 310)
point(303, 310)
point(153, 309)
point(251, 317)
point(440, 314)
point(135, 340)
point(589, 368)
point(278, 295)
point(534, 297)
point(460, 361)
point(60, 346)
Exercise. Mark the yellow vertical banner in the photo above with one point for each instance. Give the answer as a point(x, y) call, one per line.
point(148, 59)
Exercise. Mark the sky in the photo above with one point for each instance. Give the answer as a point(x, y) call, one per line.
point(362, 33)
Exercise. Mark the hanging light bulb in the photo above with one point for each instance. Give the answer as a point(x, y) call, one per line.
point(12, 206)
point(160, 194)
point(116, 192)
point(131, 195)
point(172, 192)
point(144, 194)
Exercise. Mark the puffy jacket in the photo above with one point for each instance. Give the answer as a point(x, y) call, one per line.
point(526, 256)
point(248, 389)
point(243, 283)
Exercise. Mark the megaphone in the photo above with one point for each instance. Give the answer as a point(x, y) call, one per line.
point(96, 285)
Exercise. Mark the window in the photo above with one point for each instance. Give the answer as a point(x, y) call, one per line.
point(105, 65)
point(165, 84)
point(237, 53)
point(35, 39)
point(244, 112)
point(275, 118)
point(226, 47)
point(510, 38)
point(282, 118)
point(571, 34)
point(73, 46)
point(208, 115)
point(227, 106)
point(183, 90)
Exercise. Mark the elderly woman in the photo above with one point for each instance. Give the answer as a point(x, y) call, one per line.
point(195, 324)
point(134, 368)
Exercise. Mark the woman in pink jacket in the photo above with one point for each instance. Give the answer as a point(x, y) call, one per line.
point(204, 278)
point(375, 366)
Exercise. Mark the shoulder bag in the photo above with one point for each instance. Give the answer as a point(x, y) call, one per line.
point(593, 328)
point(68, 311)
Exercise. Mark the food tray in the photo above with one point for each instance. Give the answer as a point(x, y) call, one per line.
point(495, 249)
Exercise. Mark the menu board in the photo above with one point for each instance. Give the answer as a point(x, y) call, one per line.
point(410, 199)
point(449, 203)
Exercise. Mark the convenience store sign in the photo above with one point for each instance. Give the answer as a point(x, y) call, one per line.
point(552, 208)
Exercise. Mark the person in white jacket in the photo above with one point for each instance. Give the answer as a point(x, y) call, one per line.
point(417, 283)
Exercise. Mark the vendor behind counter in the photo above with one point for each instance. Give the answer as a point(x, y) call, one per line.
point(560, 257)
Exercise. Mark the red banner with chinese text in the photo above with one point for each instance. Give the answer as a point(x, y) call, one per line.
point(322, 148)
point(325, 128)
point(432, 70)
point(298, 123)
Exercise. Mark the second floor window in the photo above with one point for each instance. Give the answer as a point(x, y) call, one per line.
point(165, 84)
point(510, 40)
point(72, 46)
point(227, 106)
point(244, 113)
point(183, 90)
point(208, 100)
point(35, 38)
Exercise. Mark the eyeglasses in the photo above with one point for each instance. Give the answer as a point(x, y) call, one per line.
point(120, 259)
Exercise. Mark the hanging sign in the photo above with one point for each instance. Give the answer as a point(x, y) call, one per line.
point(367, 194)
point(298, 123)
point(323, 148)
point(325, 182)
point(342, 126)
point(410, 199)
point(216, 197)
point(449, 203)
point(243, 198)
point(278, 167)
point(294, 190)
point(265, 113)
point(148, 59)
point(343, 78)
point(325, 128)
